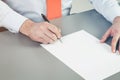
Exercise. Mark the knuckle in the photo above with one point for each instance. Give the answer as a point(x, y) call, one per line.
point(53, 36)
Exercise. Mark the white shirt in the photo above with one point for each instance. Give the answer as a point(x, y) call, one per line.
point(13, 13)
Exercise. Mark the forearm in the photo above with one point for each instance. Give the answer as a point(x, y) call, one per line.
point(10, 19)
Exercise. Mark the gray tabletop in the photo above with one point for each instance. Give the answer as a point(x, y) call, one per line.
point(23, 59)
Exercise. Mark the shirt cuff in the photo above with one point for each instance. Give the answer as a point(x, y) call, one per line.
point(111, 13)
point(13, 21)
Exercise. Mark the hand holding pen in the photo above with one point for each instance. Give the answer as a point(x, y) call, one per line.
point(45, 18)
point(42, 32)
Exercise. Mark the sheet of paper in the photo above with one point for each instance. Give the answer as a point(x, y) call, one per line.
point(84, 54)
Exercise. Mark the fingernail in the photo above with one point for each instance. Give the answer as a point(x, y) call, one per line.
point(113, 51)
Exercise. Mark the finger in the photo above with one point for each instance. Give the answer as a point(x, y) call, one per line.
point(114, 43)
point(106, 35)
point(119, 47)
point(42, 41)
point(55, 30)
point(38, 39)
point(50, 35)
point(59, 30)
point(46, 38)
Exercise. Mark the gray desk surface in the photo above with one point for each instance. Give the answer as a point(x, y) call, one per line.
point(23, 59)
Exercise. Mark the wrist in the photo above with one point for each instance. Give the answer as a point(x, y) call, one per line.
point(26, 27)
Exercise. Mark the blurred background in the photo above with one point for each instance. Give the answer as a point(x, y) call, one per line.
point(81, 5)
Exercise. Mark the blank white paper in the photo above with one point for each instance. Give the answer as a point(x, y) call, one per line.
point(85, 55)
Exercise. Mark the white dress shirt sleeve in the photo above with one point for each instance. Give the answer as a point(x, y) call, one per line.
point(108, 8)
point(10, 19)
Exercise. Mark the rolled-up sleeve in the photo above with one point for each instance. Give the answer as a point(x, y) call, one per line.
point(108, 8)
point(10, 19)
